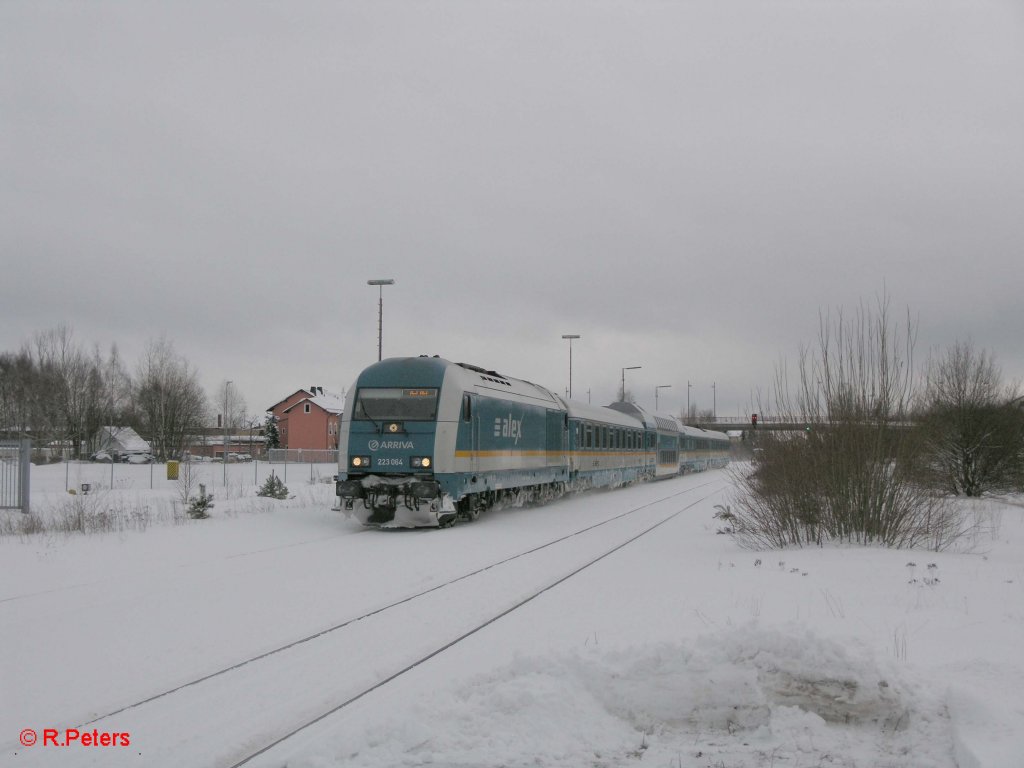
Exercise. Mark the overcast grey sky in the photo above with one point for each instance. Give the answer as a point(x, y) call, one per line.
point(683, 184)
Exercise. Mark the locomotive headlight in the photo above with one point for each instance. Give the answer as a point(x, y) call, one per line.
point(421, 462)
point(360, 461)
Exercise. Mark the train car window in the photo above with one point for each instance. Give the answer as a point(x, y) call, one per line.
point(395, 404)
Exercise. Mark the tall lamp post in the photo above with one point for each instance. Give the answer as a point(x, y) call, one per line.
point(227, 410)
point(628, 368)
point(570, 337)
point(714, 401)
point(660, 386)
point(689, 386)
point(380, 312)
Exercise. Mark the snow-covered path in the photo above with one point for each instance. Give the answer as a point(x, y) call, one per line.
point(678, 647)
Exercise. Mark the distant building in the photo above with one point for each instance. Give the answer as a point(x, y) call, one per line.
point(118, 441)
point(309, 419)
point(218, 443)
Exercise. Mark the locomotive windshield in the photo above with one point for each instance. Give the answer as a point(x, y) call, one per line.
point(395, 404)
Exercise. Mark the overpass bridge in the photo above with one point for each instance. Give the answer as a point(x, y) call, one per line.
point(734, 424)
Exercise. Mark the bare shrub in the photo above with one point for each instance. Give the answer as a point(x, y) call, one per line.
point(846, 472)
point(972, 425)
point(89, 514)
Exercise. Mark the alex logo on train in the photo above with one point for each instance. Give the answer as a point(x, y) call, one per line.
point(508, 427)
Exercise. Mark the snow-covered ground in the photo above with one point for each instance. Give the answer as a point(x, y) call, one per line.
point(676, 649)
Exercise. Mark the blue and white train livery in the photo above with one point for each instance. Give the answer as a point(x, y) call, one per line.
point(425, 442)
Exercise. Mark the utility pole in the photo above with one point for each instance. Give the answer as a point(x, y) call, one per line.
point(570, 337)
point(660, 386)
point(380, 312)
point(628, 368)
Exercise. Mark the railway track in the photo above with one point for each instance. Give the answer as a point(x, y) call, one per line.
point(263, 700)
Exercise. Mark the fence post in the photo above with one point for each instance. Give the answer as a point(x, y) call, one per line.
point(26, 473)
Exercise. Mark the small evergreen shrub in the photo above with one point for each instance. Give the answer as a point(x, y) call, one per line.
point(273, 488)
point(199, 507)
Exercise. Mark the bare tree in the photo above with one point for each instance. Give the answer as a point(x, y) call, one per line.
point(232, 406)
point(973, 431)
point(70, 384)
point(849, 475)
point(19, 393)
point(57, 392)
point(170, 402)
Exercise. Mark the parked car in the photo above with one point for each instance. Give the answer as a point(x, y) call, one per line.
point(101, 456)
point(239, 457)
point(138, 458)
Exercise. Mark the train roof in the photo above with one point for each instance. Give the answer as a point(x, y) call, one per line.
point(634, 410)
point(707, 434)
point(427, 371)
point(601, 413)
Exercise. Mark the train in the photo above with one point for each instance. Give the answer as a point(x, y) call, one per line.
point(425, 442)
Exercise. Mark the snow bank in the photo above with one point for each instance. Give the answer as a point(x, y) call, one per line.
point(740, 696)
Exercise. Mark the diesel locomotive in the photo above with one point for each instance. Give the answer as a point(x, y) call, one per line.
point(425, 442)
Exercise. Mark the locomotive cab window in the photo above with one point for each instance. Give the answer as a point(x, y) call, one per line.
point(395, 404)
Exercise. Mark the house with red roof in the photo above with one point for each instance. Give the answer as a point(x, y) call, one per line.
point(309, 419)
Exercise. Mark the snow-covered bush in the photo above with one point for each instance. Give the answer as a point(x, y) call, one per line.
point(200, 506)
point(273, 488)
point(850, 475)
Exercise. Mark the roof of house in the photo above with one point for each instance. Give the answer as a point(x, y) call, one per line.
point(304, 392)
point(126, 437)
point(329, 402)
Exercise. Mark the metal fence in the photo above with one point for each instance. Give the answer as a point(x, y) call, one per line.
point(300, 456)
point(14, 474)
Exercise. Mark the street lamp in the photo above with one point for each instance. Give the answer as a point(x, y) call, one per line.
point(380, 311)
point(689, 386)
point(570, 337)
point(227, 408)
point(714, 401)
point(660, 386)
point(628, 368)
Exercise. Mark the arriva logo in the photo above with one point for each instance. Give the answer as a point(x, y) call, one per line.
point(394, 445)
point(508, 427)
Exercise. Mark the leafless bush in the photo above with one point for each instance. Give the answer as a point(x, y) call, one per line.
point(847, 474)
point(972, 425)
point(19, 524)
point(186, 483)
point(89, 513)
